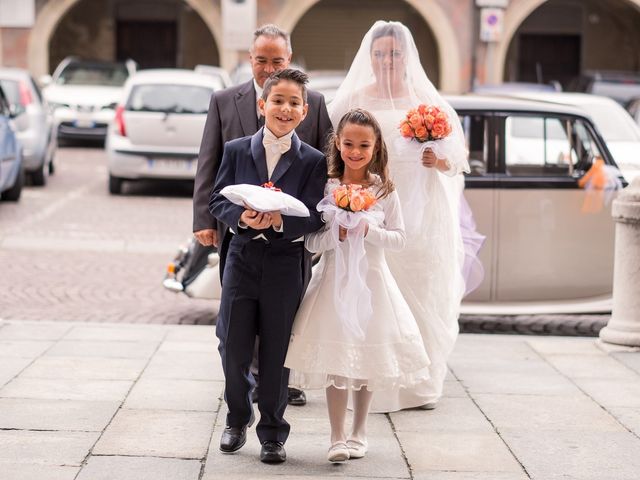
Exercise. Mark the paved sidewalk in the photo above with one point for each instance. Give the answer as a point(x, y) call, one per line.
point(131, 402)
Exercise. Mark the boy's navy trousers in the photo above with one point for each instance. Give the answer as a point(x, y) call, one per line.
point(261, 291)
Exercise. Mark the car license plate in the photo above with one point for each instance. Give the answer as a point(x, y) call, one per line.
point(84, 121)
point(170, 163)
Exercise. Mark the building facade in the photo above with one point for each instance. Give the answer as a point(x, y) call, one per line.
point(462, 43)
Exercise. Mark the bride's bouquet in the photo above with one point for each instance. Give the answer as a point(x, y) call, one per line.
point(349, 207)
point(425, 123)
point(423, 127)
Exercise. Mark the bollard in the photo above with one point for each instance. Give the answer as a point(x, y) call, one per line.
point(624, 326)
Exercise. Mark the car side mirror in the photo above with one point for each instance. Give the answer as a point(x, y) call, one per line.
point(45, 80)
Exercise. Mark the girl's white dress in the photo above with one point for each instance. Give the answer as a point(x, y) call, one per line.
point(391, 355)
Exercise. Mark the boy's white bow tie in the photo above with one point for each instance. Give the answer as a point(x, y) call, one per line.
point(277, 145)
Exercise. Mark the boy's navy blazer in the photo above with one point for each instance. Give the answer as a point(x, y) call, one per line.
point(300, 172)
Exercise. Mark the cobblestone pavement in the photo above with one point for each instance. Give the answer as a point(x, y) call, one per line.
point(70, 251)
point(560, 325)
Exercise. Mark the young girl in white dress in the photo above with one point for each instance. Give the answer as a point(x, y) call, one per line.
point(380, 347)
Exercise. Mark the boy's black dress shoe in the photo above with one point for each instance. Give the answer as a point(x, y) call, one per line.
point(234, 438)
point(296, 397)
point(272, 452)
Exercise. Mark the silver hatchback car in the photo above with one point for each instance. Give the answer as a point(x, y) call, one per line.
point(158, 127)
point(33, 123)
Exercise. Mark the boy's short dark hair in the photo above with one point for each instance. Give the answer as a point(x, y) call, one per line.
point(290, 74)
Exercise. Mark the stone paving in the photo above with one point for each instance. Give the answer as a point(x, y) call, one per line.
point(136, 402)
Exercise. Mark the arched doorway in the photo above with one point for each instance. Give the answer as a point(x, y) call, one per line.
point(315, 49)
point(184, 32)
point(321, 28)
point(559, 39)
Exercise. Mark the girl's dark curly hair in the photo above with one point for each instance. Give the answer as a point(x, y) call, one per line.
point(378, 165)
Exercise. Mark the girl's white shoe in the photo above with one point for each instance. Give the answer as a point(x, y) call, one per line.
point(357, 448)
point(339, 452)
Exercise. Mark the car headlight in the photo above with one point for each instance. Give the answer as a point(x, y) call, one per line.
point(55, 105)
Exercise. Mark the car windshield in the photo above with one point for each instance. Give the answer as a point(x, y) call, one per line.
point(169, 99)
point(614, 124)
point(83, 74)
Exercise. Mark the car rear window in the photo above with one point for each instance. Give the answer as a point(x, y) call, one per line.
point(107, 75)
point(11, 90)
point(169, 99)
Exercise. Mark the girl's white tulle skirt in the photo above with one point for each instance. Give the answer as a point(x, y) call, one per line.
point(323, 353)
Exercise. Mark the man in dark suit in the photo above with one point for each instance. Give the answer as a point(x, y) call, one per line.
point(263, 281)
point(233, 113)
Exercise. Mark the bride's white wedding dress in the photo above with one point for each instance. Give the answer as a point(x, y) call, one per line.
point(428, 270)
point(387, 79)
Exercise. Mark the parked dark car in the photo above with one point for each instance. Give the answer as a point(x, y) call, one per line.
point(620, 86)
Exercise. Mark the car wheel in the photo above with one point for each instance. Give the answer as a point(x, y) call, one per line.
point(39, 177)
point(51, 154)
point(13, 194)
point(115, 185)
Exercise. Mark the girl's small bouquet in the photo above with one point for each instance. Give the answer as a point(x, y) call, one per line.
point(350, 207)
point(265, 198)
point(429, 125)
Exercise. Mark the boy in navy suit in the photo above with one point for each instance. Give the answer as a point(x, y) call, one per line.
point(263, 276)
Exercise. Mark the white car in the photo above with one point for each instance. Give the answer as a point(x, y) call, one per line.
point(33, 123)
point(157, 129)
point(326, 82)
point(83, 95)
point(620, 132)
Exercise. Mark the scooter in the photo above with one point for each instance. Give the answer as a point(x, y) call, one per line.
point(194, 271)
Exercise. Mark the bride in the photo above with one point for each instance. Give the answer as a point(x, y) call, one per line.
point(387, 79)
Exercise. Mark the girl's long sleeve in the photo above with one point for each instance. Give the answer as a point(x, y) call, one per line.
point(320, 241)
point(391, 235)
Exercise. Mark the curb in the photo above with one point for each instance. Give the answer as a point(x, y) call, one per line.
point(562, 325)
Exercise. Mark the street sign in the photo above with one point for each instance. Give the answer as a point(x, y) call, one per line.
point(491, 24)
point(492, 3)
point(239, 19)
point(17, 13)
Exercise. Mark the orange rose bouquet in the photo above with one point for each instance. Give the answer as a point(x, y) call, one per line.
point(353, 198)
point(425, 123)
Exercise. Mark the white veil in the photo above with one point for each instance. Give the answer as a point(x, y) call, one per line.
point(361, 80)
point(387, 79)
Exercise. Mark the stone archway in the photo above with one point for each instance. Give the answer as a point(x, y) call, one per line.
point(514, 16)
point(53, 11)
point(432, 14)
